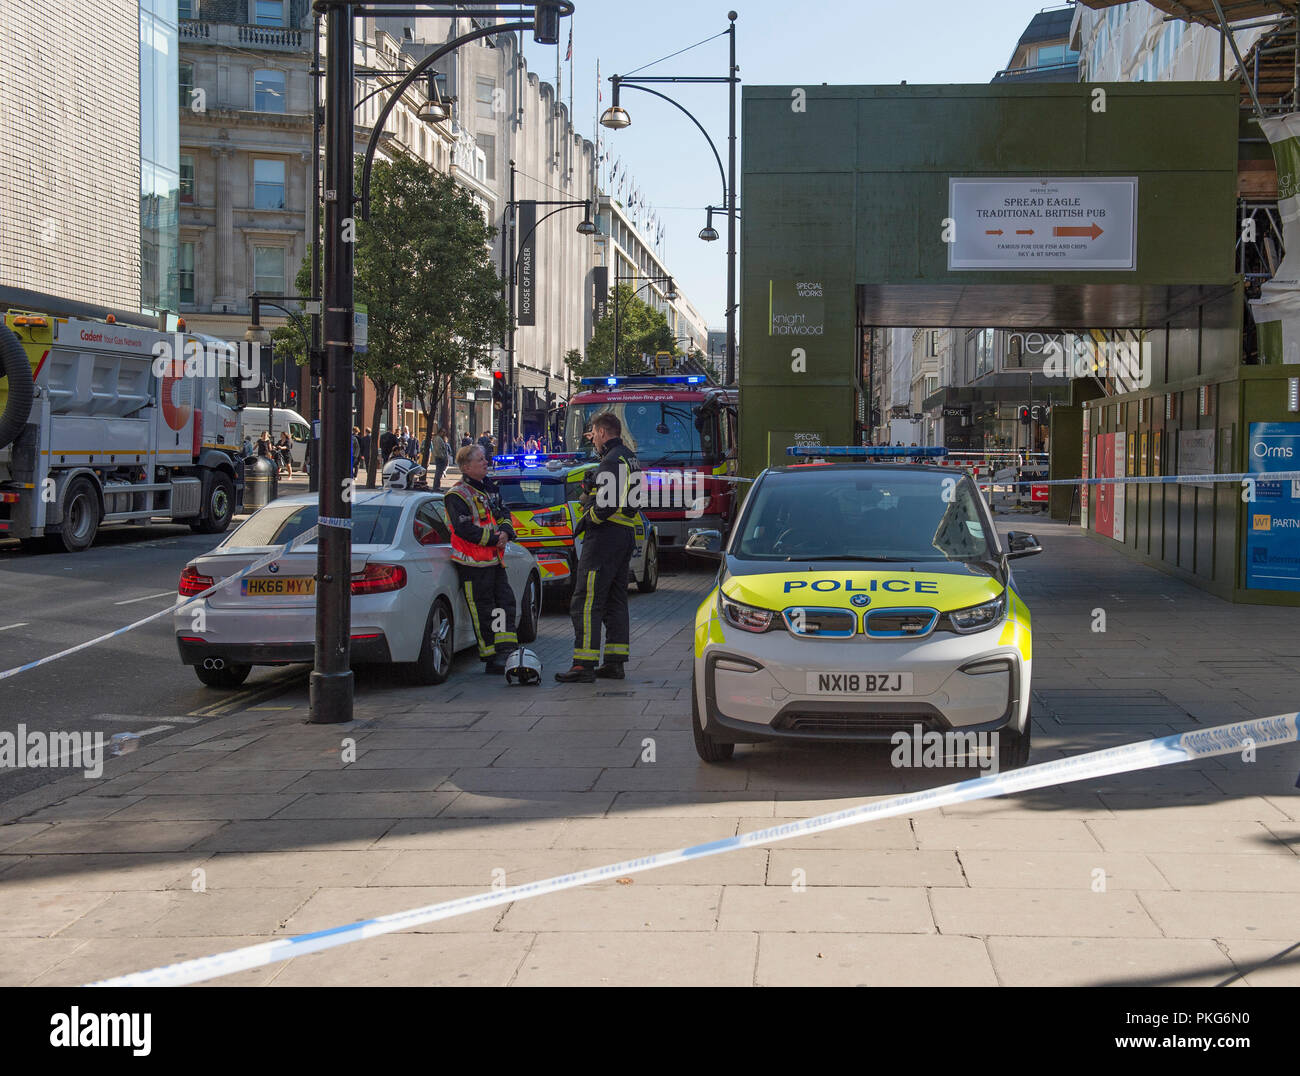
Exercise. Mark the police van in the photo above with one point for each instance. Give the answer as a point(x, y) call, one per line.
point(856, 599)
point(542, 492)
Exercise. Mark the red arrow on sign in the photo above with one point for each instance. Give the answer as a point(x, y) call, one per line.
point(989, 231)
point(1092, 231)
point(1024, 231)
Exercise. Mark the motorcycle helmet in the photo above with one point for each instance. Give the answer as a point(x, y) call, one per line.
point(401, 473)
point(523, 667)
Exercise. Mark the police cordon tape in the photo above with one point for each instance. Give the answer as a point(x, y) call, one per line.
point(171, 610)
point(1203, 743)
point(1149, 480)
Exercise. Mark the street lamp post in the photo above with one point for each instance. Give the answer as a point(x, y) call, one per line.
point(331, 681)
point(670, 295)
point(616, 118)
point(258, 334)
point(510, 256)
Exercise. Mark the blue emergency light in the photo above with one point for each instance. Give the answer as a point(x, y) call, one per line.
point(534, 459)
point(643, 379)
point(863, 451)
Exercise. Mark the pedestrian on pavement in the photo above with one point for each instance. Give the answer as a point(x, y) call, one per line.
point(356, 450)
point(285, 448)
point(247, 447)
point(387, 442)
point(465, 440)
point(412, 443)
point(486, 444)
point(607, 524)
point(532, 445)
point(480, 529)
point(441, 453)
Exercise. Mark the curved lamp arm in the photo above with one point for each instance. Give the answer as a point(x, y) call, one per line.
point(664, 97)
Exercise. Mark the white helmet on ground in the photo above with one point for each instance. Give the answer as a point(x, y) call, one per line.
point(523, 667)
point(402, 473)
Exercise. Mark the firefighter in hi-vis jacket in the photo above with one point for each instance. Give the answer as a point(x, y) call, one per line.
point(480, 529)
point(607, 524)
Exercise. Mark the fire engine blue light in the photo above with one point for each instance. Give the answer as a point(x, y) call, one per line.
point(611, 381)
point(644, 379)
point(863, 451)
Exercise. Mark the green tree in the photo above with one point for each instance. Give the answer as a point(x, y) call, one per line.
point(424, 272)
point(642, 329)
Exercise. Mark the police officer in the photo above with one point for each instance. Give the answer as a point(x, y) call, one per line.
point(608, 528)
point(480, 529)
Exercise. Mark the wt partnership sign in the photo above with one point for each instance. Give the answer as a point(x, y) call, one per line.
point(527, 226)
point(1053, 224)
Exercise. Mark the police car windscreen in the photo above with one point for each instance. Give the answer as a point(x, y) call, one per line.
point(656, 431)
point(372, 524)
point(531, 492)
point(857, 514)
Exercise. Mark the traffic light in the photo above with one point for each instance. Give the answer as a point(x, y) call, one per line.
point(293, 399)
point(1024, 415)
point(498, 388)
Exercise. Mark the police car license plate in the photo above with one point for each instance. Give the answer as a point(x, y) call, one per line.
point(277, 586)
point(859, 683)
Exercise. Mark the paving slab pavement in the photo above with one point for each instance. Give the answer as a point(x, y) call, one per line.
point(254, 826)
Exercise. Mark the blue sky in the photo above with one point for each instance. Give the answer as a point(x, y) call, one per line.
point(782, 43)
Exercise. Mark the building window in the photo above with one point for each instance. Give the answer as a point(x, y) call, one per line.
point(268, 184)
point(187, 9)
point(488, 144)
point(187, 178)
point(268, 91)
point(268, 12)
point(185, 269)
point(484, 91)
point(186, 83)
point(268, 270)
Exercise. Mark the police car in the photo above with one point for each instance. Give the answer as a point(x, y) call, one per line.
point(542, 490)
point(856, 599)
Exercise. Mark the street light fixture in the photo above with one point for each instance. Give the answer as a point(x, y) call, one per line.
point(331, 683)
point(616, 118)
point(671, 295)
point(511, 252)
point(709, 233)
point(436, 108)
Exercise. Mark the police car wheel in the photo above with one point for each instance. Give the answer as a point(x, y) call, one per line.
point(1013, 747)
point(649, 580)
point(438, 647)
point(708, 748)
point(530, 610)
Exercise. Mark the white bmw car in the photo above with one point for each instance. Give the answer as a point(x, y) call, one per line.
point(407, 605)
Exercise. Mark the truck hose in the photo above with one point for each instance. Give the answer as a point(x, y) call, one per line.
point(22, 390)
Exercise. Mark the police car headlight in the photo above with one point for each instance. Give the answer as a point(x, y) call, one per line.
point(977, 617)
point(745, 617)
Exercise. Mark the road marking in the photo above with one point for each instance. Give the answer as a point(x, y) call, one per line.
point(160, 594)
point(20, 624)
point(141, 717)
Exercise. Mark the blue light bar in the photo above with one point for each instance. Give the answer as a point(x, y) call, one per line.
point(642, 379)
point(862, 451)
point(534, 459)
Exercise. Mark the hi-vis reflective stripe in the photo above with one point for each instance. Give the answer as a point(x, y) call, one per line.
point(485, 648)
point(1221, 740)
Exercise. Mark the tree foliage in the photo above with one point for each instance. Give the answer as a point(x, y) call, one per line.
point(642, 330)
point(423, 269)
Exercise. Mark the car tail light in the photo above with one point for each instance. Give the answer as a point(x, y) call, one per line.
point(193, 583)
point(378, 578)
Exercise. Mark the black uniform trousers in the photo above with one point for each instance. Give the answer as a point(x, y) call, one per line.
point(486, 591)
point(600, 594)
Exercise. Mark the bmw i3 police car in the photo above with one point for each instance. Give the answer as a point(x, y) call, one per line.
point(856, 599)
point(542, 491)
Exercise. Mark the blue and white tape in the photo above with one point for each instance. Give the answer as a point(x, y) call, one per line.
point(334, 521)
point(1220, 740)
point(302, 539)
